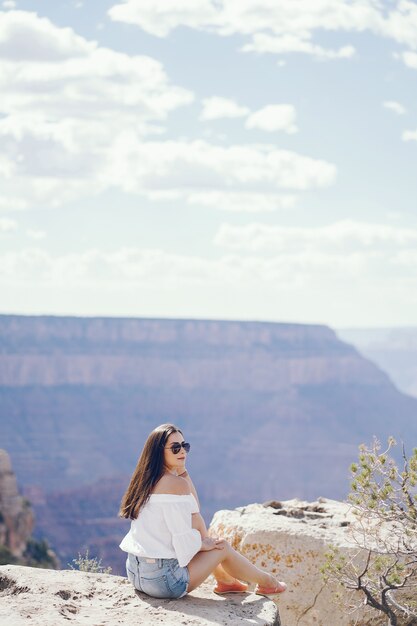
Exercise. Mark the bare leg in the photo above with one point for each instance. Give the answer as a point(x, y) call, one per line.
point(219, 573)
point(235, 564)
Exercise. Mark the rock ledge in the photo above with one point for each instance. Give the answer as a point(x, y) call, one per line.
point(42, 597)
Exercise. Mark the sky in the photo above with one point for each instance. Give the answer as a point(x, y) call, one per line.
point(216, 159)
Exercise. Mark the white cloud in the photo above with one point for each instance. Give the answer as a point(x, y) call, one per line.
point(410, 59)
point(337, 238)
point(26, 37)
point(395, 106)
point(7, 225)
point(77, 120)
point(366, 257)
point(234, 201)
point(281, 26)
point(66, 106)
point(189, 165)
point(278, 27)
point(406, 258)
point(156, 268)
point(242, 201)
point(400, 24)
point(274, 117)
point(358, 249)
point(217, 107)
point(409, 135)
point(262, 43)
point(159, 17)
point(9, 4)
point(343, 272)
point(11, 203)
point(36, 234)
point(271, 118)
point(129, 266)
point(7, 166)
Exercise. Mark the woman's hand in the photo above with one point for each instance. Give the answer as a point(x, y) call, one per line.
point(210, 543)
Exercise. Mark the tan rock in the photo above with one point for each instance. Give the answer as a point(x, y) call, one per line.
point(53, 598)
point(290, 539)
point(16, 519)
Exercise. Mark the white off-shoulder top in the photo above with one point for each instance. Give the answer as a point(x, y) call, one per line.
point(163, 529)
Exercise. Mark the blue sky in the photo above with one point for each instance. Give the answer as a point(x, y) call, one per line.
point(250, 159)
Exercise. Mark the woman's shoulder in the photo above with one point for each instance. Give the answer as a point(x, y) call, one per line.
point(173, 485)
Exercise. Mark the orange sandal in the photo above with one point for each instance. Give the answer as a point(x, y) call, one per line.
point(270, 591)
point(236, 587)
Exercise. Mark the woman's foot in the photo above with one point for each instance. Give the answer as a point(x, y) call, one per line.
point(230, 587)
point(272, 587)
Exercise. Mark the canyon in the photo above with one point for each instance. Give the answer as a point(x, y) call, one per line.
point(272, 411)
point(393, 349)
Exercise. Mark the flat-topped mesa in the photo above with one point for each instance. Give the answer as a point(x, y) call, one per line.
point(178, 353)
point(16, 515)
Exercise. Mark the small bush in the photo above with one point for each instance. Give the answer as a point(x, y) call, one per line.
point(85, 564)
point(383, 569)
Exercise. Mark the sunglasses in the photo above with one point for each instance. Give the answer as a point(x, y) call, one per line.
point(176, 447)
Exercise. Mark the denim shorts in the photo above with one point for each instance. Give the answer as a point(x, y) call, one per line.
point(159, 578)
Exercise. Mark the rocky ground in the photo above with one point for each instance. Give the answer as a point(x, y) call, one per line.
point(35, 597)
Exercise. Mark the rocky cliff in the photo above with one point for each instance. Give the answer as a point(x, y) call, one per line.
point(16, 524)
point(16, 516)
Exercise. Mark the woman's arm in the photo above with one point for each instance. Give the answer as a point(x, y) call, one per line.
point(190, 482)
point(198, 523)
point(197, 519)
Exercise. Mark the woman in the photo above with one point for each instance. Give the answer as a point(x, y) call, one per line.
point(169, 550)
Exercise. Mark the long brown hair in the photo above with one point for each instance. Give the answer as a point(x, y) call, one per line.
point(148, 471)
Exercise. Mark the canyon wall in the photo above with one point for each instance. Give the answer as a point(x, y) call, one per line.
point(16, 516)
point(16, 524)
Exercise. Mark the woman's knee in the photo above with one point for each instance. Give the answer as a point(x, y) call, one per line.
point(220, 554)
point(226, 548)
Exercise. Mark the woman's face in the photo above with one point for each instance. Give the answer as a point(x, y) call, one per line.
point(174, 462)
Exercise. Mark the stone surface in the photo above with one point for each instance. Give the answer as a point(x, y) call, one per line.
point(54, 598)
point(290, 539)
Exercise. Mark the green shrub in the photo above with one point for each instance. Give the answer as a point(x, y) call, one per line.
point(383, 570)
point(85, 564)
